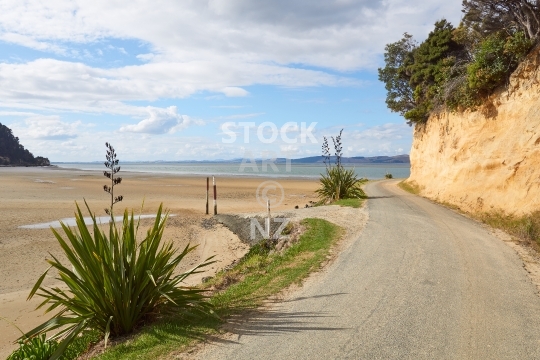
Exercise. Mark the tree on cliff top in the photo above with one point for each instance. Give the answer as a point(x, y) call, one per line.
point(413, 75)
point(395, 75)
point(431, 60)
point(458, 68)
point(13, 153)
point(491, 16)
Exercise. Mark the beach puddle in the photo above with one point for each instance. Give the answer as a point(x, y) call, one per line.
point(87, 221)
point(44, 181)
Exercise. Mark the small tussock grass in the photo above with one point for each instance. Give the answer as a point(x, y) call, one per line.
point(259, 275)
point(526, 228)
point(409, 187)
point(354, 203)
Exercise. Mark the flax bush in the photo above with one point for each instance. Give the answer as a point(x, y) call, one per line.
point(113, 283)
point(338, 183)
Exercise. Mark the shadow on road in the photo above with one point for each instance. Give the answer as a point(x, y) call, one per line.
point(268, 322)
point(272, 322)
point(380, 197)
point(314, 297)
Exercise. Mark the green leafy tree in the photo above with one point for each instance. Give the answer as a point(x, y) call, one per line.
point(398, 57)
point(432, 59)
point(487, 17)
point(414, 76)
point(458, 68)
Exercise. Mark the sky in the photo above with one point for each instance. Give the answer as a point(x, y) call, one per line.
point(204, 79)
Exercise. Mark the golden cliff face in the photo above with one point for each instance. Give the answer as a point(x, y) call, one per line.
point(489, 159)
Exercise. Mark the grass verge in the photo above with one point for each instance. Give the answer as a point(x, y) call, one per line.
point(526, 228)
point(412, 188)
point(355, 203)
point(257, 276)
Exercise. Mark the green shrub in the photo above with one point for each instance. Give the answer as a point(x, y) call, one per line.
point(490, 65)
point(115, 284)
point(495, 59)
point(340, 183)
point(37, 348)
point(454, 68)
point(518, 46)
point(388, 176)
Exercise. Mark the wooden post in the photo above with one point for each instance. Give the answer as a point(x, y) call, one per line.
point(215, 195)
point(207, 190)
point(268, 219)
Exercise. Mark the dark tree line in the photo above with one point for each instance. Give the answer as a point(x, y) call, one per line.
point(457, 68)
point(487, 17)
point(13, 153)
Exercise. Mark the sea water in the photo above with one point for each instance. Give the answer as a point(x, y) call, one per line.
point(87, 220)
point(307, 171)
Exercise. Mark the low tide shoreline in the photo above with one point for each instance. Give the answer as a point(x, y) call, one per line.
point(248, 170)
point(31, 195)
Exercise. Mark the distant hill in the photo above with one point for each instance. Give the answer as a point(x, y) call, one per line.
point(14, 154)
point(398, 159)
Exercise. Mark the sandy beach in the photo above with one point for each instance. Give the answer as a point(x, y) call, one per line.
point(39, 195)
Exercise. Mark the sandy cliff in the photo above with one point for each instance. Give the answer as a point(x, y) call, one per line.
point(487, 159)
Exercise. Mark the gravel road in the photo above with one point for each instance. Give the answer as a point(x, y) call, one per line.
point(421, 282)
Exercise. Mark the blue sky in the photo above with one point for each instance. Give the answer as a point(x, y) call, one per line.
point(160, 82)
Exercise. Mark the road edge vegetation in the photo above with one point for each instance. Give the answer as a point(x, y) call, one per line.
point(526, 228)
point(256, 277)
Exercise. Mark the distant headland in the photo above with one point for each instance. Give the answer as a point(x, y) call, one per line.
point(14, 154)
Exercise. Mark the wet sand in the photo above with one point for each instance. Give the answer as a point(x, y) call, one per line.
point(39, 195)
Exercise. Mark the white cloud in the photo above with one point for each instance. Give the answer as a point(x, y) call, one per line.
point(389, 131)
point(334, 34)
point(145, 57)
point(29, 42)
point(289, 150)
point(161, 121)
point(54, 84)
point(209, 45)
point(388, 139)
point(191, 47)
point(47, 128)
point(131, 146)
point(17, 113)
point(232, 91)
